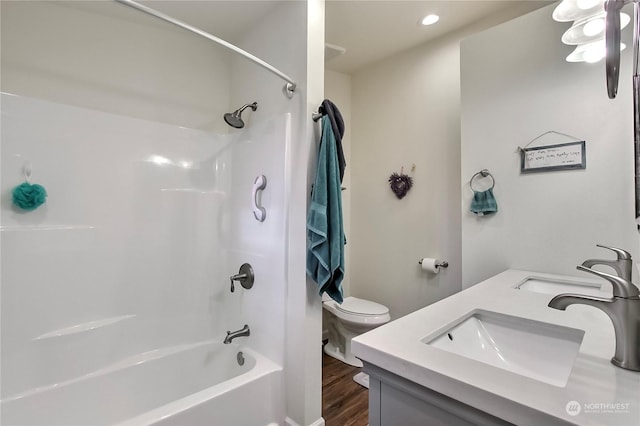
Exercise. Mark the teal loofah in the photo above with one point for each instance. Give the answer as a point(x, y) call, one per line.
point(29, 197)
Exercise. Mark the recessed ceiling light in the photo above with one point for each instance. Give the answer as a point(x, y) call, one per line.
point(430, 19)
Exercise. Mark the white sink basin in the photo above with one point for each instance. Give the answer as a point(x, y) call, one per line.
point(538, 350)
point(547, 286)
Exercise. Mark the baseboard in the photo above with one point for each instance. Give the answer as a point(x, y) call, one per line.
point(319, 422)
point(289, 422)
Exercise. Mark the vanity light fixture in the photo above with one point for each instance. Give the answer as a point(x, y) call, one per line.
point(590, 29)
point(590, 52)
point(575, 10)
point(429, 20)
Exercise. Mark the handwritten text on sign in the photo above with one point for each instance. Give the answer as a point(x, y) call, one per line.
point(557, 157)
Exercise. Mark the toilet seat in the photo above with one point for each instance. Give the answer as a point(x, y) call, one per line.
point(359, 313)
point(355, 306)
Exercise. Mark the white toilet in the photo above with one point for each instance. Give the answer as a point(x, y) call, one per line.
point(348, 320)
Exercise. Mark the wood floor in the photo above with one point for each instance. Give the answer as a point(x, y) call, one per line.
point(344, 402)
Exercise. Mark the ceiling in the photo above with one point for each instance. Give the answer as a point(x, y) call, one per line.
point(226, 19)
point(369, 30)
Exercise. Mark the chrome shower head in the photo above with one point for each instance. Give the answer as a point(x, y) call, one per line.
point(234, 119)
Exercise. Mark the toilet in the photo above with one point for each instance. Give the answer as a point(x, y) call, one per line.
point(348, 320)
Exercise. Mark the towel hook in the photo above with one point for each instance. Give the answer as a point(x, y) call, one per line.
point(484, 173)
point(26, 171)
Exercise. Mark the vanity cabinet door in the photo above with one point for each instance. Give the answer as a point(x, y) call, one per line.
point(395, 401)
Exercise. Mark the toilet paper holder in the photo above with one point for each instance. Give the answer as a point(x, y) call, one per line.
point(442, 263)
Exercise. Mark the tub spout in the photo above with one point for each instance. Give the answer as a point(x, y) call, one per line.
point(239, 333)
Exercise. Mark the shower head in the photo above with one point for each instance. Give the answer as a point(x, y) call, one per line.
point(234, 119)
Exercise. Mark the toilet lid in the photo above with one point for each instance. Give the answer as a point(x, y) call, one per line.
point(353, 305)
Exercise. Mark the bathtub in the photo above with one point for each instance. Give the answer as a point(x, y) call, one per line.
point(192, 384)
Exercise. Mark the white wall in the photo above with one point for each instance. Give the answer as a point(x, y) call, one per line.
point(406, 110)
point(291, 38)
point(515, 86)
point(111, 58)
point(304, 354)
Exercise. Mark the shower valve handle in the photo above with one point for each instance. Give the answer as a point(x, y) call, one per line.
point(244, 276)
point(236, 277)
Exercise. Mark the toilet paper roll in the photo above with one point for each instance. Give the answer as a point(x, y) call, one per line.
point(430, 265)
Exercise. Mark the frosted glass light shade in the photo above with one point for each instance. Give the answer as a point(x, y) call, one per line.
point(590, 52)
point(590, 29)
point(575, 10)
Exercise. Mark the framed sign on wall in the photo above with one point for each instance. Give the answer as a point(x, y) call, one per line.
point(565, 156)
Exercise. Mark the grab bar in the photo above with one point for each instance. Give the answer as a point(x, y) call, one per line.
point(259, 184)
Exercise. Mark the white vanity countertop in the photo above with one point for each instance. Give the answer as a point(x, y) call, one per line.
point(608, 395)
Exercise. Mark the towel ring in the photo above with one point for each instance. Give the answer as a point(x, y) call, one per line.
point(483, 173)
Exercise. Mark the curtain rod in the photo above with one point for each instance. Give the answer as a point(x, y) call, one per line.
point(289, 88)
point(636, 36)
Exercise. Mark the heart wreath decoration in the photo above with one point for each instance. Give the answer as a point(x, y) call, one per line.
point(400, 184)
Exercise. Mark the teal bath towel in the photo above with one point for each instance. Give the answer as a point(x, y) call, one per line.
point(325, 231)
point(484, 202)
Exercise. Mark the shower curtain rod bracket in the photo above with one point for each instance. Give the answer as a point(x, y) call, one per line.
point(289, 89)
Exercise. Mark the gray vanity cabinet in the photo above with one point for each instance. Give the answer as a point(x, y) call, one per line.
point(395, 401)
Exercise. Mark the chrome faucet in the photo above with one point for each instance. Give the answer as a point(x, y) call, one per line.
point(622, 265)
point(240, 333)
point(624, 311)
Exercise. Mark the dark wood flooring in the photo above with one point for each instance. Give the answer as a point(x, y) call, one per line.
point(344, 402)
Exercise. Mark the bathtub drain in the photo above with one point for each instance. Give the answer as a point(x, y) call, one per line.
point(240, 358)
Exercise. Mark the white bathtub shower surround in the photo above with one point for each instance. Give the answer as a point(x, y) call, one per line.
point(131, 256)
point(191, 384)
point(104, 56)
